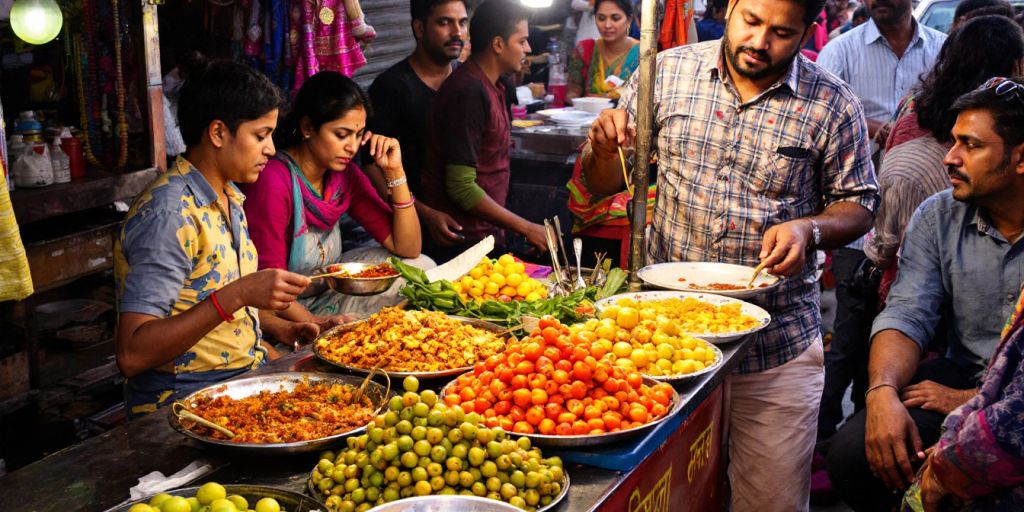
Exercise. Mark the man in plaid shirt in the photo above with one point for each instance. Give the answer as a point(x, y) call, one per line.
point(762, 158)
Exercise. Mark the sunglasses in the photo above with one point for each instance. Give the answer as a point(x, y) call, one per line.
point(1005, 88)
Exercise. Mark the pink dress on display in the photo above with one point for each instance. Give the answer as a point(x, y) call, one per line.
point(322, 40)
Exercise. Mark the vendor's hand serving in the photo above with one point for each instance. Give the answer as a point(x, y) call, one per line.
point(385, 151)
point(609, 132)
point(443, 229)
point(784, 247)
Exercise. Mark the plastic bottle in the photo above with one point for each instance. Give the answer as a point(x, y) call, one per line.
point(61, 163)
point(34, 168)
point(557, 84)
point(72, 147)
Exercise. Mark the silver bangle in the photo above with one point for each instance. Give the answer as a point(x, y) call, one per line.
point(396, 183)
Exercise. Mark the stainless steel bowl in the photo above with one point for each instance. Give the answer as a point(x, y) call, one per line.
point(341, 329)
point(445, 504)
point(292, 501)
point(359, 286)
point(585, 440)
point(240, 388)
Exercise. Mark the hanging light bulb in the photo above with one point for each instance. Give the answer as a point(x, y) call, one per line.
point(36, 21)
point(537, 4)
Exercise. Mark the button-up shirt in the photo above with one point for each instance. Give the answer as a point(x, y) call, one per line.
point(954, 264)
point(728, 170)
point(863, 58)
point(176, 247)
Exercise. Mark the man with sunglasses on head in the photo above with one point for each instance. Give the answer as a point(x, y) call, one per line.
point(960, 261)
point(762, 158)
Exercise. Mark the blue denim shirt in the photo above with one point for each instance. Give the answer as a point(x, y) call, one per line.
point(954, 263)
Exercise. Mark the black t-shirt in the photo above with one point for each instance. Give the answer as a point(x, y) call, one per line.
point(401, 102)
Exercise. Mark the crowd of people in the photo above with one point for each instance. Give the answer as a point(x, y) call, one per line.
point(793, 127)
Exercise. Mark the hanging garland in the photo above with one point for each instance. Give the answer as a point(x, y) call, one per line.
point(91, 97)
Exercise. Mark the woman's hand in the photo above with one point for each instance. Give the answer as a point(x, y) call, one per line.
point(385, 151)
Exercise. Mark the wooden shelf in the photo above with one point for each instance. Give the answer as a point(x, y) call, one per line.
point(97, 188)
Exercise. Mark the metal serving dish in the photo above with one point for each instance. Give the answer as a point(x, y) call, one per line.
point(577, 441)
point(359, 286)
point(248, 386)
point(292, 501)
point(340, 329)
point(759, 314)
point(439, 503)
point(719, 361)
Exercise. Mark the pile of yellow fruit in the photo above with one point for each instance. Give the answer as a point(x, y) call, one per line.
point(503, 279)
point(643, 340)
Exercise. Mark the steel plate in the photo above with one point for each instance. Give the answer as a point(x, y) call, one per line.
point(577, 441)
point(293, 501)
point(666, 276)
point(396, 374)
point(759, 314)
point(248, 386)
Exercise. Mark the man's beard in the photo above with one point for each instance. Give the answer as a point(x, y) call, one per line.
point(440, 54)
point(740, 67)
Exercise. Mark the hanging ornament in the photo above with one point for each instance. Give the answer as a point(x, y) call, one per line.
point(326, 15)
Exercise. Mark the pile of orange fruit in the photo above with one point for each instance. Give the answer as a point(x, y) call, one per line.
point(555, 382)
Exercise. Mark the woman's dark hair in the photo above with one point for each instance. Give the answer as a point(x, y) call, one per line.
point(226, 90)
point(1001, 7)
point(494, 18)
point(1006, 104)
point(323, 97)
point(625, 5)
point(979, 49)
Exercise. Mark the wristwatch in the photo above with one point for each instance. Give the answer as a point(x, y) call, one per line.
point(815, 234)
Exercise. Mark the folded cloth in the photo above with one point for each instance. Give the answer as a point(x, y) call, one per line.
point(156, 482)
point(15, 277)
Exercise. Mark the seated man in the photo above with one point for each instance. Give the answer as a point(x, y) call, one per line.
point(961, 259)
point(185, 267)
point(469, 135)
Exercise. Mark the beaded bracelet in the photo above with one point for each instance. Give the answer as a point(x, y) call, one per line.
point(404, 204)
point(220, 310)
point(397, 182)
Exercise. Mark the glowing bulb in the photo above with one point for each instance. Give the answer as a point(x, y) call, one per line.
point(537, 4)
point(36, 21)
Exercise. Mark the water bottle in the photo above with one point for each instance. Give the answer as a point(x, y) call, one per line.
point(557, 84)
point(61, 163)
point(72, 147)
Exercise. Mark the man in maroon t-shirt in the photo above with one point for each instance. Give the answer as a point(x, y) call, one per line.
point(468, 134)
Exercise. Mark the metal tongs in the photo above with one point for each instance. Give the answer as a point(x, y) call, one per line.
point(561, 288)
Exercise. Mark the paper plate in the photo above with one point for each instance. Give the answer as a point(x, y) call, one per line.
point(700, 277)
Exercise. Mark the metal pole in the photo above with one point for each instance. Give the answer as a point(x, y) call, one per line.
point(644, 129)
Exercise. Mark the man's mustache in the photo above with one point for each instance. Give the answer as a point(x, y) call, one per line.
point(954, 173)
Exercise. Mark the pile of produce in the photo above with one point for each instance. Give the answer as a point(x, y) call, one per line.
point(554, 382)
point(398, 340)
point(422, 446)
point(443, 296)
point(694, 316)
point(211, 497)
point(503, 279)
point(642, 340)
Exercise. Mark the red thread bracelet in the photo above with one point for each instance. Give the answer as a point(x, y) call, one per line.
point(220, 310)
point(405, 204)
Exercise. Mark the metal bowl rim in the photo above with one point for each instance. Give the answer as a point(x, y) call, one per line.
point(308, 445)
point(324, 270)
point(720, 360)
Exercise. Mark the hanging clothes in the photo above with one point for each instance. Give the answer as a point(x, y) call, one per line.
point(675, 27)
point(324, 40)
point(15, 278)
